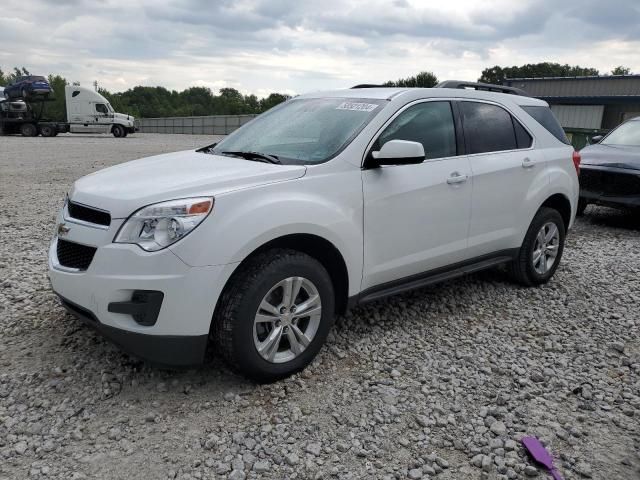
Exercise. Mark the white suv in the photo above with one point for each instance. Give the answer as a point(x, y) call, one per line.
point(326, 201)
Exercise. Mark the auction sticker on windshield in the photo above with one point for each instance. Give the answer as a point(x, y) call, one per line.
point(360, 107)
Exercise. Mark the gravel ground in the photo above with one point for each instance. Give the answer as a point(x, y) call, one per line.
point(440, 383)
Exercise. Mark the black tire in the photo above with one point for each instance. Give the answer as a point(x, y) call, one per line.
point(234, 317)
point(118, 131)
point(47, 131)
point(522, 269)
point(582, 206)
point(28, 130)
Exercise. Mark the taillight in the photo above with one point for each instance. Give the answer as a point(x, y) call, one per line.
point(576, 161)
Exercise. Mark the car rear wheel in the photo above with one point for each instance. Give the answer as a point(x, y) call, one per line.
point(28, 130)
point(541, 249)
point(275, 315)
point(47, 131)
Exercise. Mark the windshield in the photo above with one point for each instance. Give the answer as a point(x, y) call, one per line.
point(626, 134)
point(109, 107)
point(304, 131)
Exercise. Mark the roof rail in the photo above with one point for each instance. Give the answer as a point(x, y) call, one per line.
point(367, 85)
point(482, 86)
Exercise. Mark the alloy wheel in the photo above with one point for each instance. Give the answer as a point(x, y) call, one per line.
point(287, 320)
point(545, 250)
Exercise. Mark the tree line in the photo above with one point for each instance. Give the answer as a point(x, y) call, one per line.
point(148, 102)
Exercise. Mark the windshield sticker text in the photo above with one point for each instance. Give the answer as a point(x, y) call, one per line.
point(359, 107)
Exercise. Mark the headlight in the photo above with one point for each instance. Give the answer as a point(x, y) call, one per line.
point(157, 226)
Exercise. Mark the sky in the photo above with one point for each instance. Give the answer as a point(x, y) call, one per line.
point(297, 46)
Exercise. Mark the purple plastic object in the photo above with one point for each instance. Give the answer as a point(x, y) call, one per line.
point(541, 455)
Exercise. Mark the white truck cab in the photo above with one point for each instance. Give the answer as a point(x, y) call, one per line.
point(90, 112)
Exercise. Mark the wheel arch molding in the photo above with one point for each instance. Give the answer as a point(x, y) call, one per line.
point(317, 247)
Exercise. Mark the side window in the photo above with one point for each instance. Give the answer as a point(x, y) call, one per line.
point(101, 108)
point(430, 123)
point(523, 139)
point(488, 128)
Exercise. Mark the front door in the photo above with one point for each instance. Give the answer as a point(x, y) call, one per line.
point(103, 120)
point(416, 217)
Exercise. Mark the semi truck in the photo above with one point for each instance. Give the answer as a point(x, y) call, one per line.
point(87, 112)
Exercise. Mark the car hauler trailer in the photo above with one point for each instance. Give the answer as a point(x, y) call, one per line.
point(87, 112)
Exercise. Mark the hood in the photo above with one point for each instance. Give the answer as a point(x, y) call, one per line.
point(124, 118)
point(614, 156)
point(124, 188)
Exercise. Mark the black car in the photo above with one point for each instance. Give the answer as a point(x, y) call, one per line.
point(610, 169)
point(28, 86)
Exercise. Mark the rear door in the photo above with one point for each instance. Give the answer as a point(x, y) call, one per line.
point(507, 171)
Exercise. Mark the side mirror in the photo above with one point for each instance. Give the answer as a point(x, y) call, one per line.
point(398, 152)
point(596, 139)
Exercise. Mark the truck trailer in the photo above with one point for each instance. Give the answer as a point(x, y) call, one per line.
point(87, 112)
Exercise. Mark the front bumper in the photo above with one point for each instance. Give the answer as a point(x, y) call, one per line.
point(612, 187)
point(117, 273)
point(165, 350)
point(610, 201)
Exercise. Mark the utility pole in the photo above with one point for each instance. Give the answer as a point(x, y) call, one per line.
point(95, 84)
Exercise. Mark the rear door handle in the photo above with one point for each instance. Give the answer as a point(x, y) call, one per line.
point(528, 163)
point(457, 177)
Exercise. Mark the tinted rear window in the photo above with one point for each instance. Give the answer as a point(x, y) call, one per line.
point(545, 117)
point(488, 128)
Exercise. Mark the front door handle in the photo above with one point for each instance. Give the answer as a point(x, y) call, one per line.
point(528, 163)
point(457, 177)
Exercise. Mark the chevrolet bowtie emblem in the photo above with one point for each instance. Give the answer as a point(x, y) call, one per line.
point(62, 229)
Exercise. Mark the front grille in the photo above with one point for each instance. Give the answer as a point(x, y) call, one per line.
point(88, 214)
point(74, 255)
point(608, 183)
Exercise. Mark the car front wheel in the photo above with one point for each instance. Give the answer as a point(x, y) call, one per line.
point(118, 131)
point(275, 315)
point(541, 249)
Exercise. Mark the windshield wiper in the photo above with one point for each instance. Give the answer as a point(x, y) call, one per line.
point(260, 157)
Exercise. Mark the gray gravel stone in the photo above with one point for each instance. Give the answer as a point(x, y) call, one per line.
point(415, 473)
point(237, 475)
point(498, 428)
point(292, 459)
point(583, 469)
point(20, 448)
point(314, 448)
point(261, 466)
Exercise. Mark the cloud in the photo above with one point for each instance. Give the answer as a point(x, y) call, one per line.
point(261, 46)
